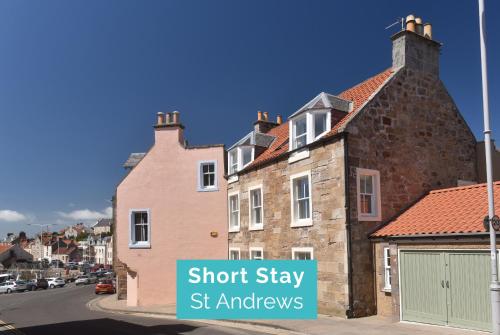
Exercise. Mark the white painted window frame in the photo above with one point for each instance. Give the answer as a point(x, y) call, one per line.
point(310, 136)
point(133, 244)
point(377, 204)
point(251, 225)
point(239, 157)
point(234, 229)
point(234, 249)
point(301, 222)
point(387, 269)
point(201, 187)
point(251, 249)
point(303, 249)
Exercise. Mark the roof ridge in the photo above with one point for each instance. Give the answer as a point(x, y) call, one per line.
point(459, 188)
point(367, 80)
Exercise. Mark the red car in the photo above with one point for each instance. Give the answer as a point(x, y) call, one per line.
point(105, 286)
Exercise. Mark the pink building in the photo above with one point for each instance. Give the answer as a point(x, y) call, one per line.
point(170, 206)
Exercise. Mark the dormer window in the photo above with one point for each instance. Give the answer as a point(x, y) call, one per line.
point(308, 127)
point(240, 157)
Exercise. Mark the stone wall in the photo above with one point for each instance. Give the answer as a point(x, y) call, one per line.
point(327, 235)
point(413, 134)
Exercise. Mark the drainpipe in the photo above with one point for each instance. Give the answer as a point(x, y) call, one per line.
point(350, 311)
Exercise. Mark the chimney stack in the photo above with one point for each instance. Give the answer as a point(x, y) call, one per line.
point(414, 48)
point(263, 125)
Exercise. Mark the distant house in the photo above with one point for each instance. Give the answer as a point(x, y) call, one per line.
point(10, 254)
point(103, 251)
point(102, 226)
point(74, 231)
point(432, 262)
point(66, 254)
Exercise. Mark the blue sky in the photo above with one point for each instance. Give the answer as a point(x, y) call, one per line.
point(81, 81)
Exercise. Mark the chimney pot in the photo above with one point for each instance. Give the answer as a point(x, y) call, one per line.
point(168, 118)
point(266, 116)
point(279, 119)
point(428, 31)
point(160, 118)
point(176, 117)
point(419, 28)
point(259, 116)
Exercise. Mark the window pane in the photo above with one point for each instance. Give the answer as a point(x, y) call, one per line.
point(233, 161)
point(257, 216)
point(366, 203)
point(302, 255)
point(247, 155)
point(319, 123)
point(206, 180)
point(234, 255)
point(300, 126)
point(369, 184)
point(303, 209)
point(211, 179)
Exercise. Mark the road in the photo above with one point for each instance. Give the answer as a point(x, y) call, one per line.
point(63, 311)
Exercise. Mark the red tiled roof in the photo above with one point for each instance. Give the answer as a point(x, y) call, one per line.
point(358, 94)
point(64, 251)
point(447, 211)
point(5, 247)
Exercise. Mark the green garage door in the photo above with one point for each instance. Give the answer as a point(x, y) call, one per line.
point(446, 288)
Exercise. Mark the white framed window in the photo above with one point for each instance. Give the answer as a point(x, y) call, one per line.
point(233, 161)
point(256, 208)
point(240, 157)
point(234, 254)
point(207, 176)
point(301, 201)
point(368, 186)
point(256, 253)
point(140, 228)
point(299, 132)
point(303, 253)
point(387, 270)
point(234, 212)
point(308, 127)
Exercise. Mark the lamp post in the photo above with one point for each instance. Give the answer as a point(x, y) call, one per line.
point(494, 286)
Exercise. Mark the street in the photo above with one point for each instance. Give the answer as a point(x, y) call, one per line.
point(64, 311)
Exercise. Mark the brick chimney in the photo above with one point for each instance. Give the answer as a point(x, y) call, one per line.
point(170, 121)
point(263, 125)
point(414, 47)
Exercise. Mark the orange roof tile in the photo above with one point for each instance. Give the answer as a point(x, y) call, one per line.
point(447, 211)
point(5, 247)
point(359, 95)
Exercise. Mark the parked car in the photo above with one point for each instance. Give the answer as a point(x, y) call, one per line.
point(56, 282)
point(93, 278)
point(105, 286)
point(82, 280)
point(7, 287)
point(56, 263)
point(40, 283)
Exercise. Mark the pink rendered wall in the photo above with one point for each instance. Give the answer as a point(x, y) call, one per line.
point(166, 183)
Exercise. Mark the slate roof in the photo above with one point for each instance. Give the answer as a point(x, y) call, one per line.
point(103, 223)
point(359, 95)
point(447, 211)
point(134, 159)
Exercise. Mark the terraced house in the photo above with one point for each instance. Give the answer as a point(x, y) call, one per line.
point(316, 185)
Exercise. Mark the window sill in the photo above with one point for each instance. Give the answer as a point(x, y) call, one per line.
point(208, 189)
point(301, 223)
point(256, 228)
point(139, 246)
point(387, 290)
point(234, 230)
point(364, 217)
point(298, 155)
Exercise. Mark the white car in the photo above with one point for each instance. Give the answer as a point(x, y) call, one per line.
point(56, 282)
point(8, 287)
point(82, 280)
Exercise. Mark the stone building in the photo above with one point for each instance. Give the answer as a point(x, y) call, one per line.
point(316, 186)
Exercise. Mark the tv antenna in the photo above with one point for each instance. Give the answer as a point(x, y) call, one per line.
point(399, 20)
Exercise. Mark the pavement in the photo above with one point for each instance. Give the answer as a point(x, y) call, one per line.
point(64, 311)
point(324, 325)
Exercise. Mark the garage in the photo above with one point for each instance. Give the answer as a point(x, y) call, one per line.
point(432, 261)
point(446, 288)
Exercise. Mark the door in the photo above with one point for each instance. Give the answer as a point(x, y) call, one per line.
point(423, 298)
point(446, 288)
